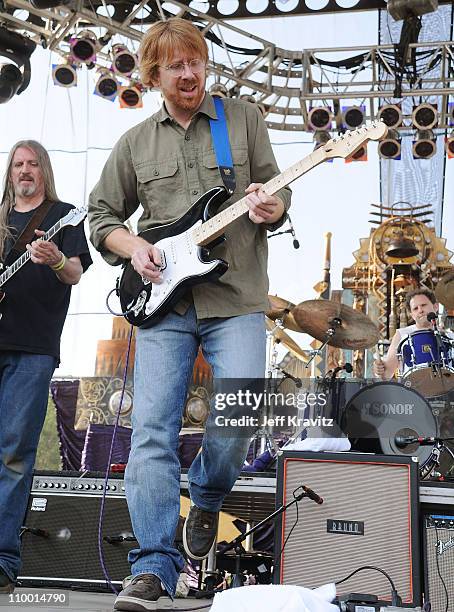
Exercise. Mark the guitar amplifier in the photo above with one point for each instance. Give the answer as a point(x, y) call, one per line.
point(439, 561)
point(60, 536)
point(369, 517)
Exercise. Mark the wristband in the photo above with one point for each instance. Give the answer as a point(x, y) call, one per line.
point(60, 265)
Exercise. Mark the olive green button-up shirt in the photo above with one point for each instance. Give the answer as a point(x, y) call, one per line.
point(166, 169)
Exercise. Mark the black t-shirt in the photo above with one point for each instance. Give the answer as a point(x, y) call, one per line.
point(36, 301)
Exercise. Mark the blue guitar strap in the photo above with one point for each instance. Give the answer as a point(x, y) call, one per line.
point(220, 136)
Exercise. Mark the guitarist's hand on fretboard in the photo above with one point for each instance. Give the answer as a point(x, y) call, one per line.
point(44, 252)
point(263, 208)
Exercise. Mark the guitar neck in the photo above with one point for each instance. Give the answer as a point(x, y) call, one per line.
point(22, 260)
point(214, 227)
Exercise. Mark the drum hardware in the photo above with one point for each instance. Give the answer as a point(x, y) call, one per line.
point(279, 336)
point(336, 324)
point(281, 312)
point(433, 461)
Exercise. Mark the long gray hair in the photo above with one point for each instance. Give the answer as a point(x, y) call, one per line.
point(8, 198)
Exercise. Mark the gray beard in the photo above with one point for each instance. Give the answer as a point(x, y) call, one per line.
point(26, 190)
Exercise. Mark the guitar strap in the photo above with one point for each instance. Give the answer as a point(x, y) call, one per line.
point(28, 233)
point(221, 143)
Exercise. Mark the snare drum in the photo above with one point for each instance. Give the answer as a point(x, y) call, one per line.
point(427, 362)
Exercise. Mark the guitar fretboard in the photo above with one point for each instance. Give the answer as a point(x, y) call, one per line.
point(20, 261)
point(214, 227)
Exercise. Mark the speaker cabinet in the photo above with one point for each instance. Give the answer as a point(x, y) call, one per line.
point(369, 516)
point(439, 561)
point(60, 538)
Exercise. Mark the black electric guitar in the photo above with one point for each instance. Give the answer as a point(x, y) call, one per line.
point(185, 243)
point(74, 217)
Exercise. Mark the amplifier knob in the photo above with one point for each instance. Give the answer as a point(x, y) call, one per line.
point(44, 485)
point(87, 486)
point(63, 485)
point(80, 486)
point(113, 487)
point(51, 485)
point(100, 487)
point(57, 485)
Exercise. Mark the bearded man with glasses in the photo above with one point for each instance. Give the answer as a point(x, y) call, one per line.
point(165, 164)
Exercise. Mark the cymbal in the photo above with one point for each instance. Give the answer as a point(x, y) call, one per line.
point(444, 291)
point(289, 343)
point(281, 309)
point(356, 330)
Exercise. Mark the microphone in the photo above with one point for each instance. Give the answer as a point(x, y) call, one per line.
point(296, 244)
point(296, 380)
point(347, 367)
point(402, 441)
point(312, 495)
point(432, 318)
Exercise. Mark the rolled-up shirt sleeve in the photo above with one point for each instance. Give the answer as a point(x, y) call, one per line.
point(113, 199)
point(262, 160)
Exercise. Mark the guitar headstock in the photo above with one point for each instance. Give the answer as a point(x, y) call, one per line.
point(346, 144)
point(74, 217)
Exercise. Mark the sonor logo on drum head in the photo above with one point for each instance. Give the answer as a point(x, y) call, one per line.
point(386, 408)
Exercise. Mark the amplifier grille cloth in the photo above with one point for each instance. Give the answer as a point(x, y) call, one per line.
point(376, 494)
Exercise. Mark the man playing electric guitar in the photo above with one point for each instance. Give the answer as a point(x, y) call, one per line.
point(33, 312)
point(165, 164)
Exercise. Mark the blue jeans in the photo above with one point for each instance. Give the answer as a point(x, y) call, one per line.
point(24, 390)
point(165, 354)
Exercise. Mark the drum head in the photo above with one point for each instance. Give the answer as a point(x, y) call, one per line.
point(380, 412)
point(430, 382)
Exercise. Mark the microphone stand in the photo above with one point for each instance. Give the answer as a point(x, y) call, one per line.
point(236, 543)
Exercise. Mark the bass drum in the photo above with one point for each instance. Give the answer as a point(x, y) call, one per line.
point(381, 412)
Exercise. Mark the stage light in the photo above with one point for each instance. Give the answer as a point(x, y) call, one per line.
point(319, 118)
point(353, 116)
point(389, 148)
point(449, 143)
point(124, 62)
point(321, 137)
point(14, 77)
point(391, 115)
point(403, 9)
point(218, 89)
point(64, 75)
point(424, 116)
point(130, 97)
point(84, 47)
point(107, 87)
point(10, 81)
point(360, 155)
point(424, 146)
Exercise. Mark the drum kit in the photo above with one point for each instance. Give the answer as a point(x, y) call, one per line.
point(398, 414)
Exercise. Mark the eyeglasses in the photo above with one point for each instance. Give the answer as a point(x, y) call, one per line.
point(177, 69)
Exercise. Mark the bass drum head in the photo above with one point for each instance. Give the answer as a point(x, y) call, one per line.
point(380, 412)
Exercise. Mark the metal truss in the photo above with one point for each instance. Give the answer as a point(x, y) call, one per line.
point(285, 83)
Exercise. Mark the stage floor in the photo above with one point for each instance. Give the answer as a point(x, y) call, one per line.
point(28, 599)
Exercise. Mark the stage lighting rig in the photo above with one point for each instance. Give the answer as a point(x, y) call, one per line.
point(130, 96)
point(84, 47)
point(424, 146)
point(319, 118)
point(391, 115)
point(218, 89)
point(107, 86)
point(64, 75)
point(389, 148)
point(321, 137)
point(124, 62)
point(17, 49)
point(424, 117)
point(353, 116)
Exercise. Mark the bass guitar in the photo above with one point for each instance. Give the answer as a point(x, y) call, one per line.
point(74, 217)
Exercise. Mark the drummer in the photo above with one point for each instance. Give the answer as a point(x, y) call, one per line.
point(420, 302)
